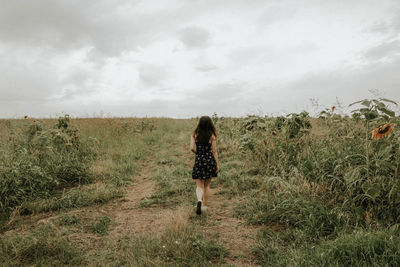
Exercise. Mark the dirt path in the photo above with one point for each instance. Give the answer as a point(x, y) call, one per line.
point(128, 216)
point(237, 237)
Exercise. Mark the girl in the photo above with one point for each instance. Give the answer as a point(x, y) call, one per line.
point(203, 144)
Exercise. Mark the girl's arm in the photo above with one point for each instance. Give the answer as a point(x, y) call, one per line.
point(214, 149)
point(192, 144)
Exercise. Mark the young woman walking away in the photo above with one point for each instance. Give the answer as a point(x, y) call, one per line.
point(203, 143)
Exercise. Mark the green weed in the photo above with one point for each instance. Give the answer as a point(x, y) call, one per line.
point(360, 248)
point(66, 219)
point(73, 198)
point(101, 224)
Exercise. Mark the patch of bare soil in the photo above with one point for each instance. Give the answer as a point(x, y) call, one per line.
point(128, 216)
point(237, 236)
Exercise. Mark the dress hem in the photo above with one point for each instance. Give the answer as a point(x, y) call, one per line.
point(204, 178)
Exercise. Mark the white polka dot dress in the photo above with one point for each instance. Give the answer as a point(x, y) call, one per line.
point(205, 165)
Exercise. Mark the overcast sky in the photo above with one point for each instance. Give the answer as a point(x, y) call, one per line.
point(194, 57)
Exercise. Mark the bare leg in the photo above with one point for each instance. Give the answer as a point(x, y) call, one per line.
point(199, 189)
point(206, 191)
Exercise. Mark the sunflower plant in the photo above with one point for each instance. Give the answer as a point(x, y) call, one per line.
point(375, 185)
point(374, 109)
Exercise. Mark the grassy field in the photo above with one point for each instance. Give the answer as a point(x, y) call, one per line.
point(292, 191)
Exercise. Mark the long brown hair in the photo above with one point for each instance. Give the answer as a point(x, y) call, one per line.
point(204, 129)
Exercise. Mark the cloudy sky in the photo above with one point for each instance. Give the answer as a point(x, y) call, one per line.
point(193, 57)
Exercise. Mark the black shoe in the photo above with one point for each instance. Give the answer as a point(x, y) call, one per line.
point(198, 211)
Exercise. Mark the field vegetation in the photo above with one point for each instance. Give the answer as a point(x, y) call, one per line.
point(293, 190)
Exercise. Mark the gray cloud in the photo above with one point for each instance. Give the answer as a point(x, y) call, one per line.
point(275, 13)
point(380, 27)
point(31, 80)
point(388, 25)
point(59, 24)
point(246, 55)
point(136, 49)
point(225, 98)
point(348, 85)
point(195, 37)
point(109, 26)
point(385, 50)
point(224, 91)
point(264, 54)
point(152, 75)
point(395, 24)
point(206, 68)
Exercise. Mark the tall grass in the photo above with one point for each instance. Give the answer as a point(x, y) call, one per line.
point(45, 164)
point(39, 158)
point(42, 247)
point(320, 178)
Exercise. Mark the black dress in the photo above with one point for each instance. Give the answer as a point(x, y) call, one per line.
point(205, 165)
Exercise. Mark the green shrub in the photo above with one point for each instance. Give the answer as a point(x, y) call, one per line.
point(66, 219)
point(359, 174)
point(313, 217)
point(274, 248)
point(101, 224)
point(333, 178)
point(38, 160)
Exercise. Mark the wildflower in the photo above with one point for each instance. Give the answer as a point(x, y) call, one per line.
point(333, 108)
point(26, 116)
point(382, 131)
point(176, 242)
